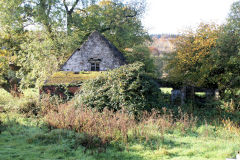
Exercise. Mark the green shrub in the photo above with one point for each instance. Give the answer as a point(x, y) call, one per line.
point(207, 130)
point(2, 127)
point(128, 86)
point(26, 104)
point(49, 103)
point(29, 107)
point(5, 97)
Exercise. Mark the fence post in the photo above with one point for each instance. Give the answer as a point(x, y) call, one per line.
point(183, 95)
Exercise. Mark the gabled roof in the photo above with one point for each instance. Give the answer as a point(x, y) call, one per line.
point(72, 78)
point(116, 52)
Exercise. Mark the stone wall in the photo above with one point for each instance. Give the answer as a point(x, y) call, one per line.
point(98, 48)
point(188, 93)
point(60, 91)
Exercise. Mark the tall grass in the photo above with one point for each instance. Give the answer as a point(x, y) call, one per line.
point(159, 134)
point(119, 126)
point(107, 125)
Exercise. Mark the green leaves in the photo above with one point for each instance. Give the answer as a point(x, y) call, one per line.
point(227, 58)
point(119, 22)
point(209, 56)
point(34, 33)
point(127, 87)
point(190, 63)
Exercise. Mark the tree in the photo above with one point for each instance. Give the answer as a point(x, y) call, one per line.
point(12, 15)
point(190, 63)
point(69, 9)
point(39, 58)
point(33, 32)
point(119, 22)
point(141, 53)
point(4, 56)
point(47, 13)
point(69, 13)
point(226, 64)
point(12, 34)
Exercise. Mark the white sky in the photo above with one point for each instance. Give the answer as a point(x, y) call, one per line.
point(172, 16)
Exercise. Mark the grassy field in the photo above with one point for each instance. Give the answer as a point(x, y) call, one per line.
point(23, 139)
point(28, 138)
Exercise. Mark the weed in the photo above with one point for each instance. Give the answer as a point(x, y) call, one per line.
point(29, 107)
point(231, 126)
point(185, 121)
point(107, 125)
point(2, 127)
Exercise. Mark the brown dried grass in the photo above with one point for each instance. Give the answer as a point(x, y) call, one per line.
point(112, 126)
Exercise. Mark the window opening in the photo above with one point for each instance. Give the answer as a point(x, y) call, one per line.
point(95, 64)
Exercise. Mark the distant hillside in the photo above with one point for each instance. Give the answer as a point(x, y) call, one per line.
point(162, 43)
point(164, 35)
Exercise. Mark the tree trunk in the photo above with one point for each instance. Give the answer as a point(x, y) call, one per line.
point(69, 22)
point(69, 14)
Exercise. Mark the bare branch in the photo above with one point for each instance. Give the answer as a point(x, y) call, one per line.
point(65, 5)
point(49, 10)
point(74, 5)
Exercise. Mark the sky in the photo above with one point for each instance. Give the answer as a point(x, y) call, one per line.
point(173, 16)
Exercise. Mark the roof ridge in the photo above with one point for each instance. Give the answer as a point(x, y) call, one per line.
point(111, 45)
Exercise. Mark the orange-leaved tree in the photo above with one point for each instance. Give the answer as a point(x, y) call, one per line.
point(190, 64)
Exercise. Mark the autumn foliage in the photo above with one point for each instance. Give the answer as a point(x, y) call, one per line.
point(190, 62)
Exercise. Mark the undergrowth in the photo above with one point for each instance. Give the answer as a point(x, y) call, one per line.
point(59, 130)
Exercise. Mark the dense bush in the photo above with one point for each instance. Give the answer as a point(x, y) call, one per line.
point(29, 107)
point(128, 86)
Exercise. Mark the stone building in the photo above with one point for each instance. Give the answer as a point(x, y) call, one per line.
point(95, 55)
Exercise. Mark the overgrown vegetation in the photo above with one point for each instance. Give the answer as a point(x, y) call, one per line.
point(62, 130)
point(29, 55)
point(209, 57)
point(120, 114)
point(69, 78)
point(127, 87)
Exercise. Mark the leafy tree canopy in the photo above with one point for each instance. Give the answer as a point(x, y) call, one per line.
point(190, 63)
point(38, 35)
point(227, 58)
point(209, 56)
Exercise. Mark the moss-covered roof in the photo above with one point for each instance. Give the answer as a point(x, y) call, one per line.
point(68, 78)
